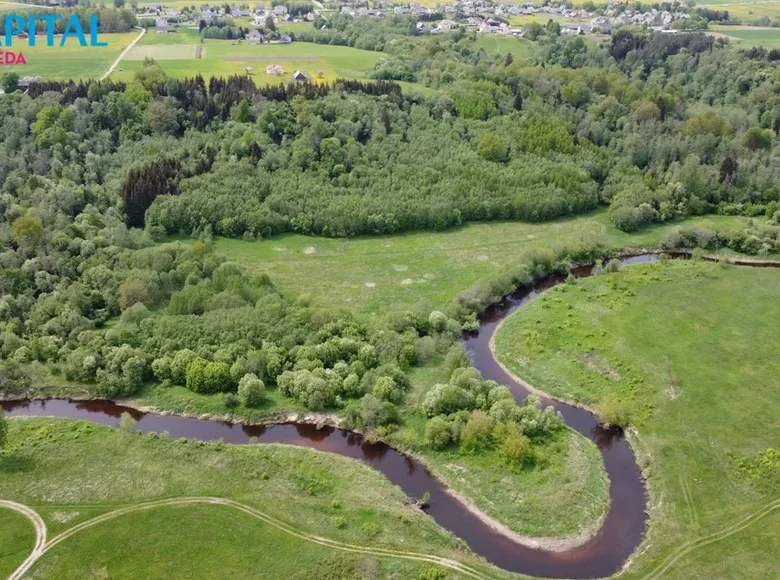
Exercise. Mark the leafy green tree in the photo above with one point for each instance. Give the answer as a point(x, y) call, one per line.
point(492, 148)
point(756, 138)
point(437, 433)
point(133, 291)
point(27, 230)
point(9, 82)
point(251, 390)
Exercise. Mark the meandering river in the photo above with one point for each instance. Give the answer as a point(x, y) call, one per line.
point(602, 555)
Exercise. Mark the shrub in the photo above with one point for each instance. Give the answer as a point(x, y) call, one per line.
point(370, 413)
point(251, 390)
point(515, 446)
point(437, 433)
point(477, 431)
point(614, 412)
point(231, 400)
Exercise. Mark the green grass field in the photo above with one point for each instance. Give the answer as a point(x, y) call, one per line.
point(769, 38)
point(745, 11)
point(71, 61)
point(373, 274)
point(690, 349)
point(17, 538)
point(82, 470)
point(225, 57)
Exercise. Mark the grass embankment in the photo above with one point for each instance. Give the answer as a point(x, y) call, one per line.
point(17, 538)
point(374, 274)
point(82, 470)
point(690, 350)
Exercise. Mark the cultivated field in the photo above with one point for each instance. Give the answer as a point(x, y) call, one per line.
point(689, 351)
point(742, 37)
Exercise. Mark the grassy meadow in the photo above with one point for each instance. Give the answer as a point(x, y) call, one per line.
point(17, 538)
point(767, 38)
point(689, 351)
point(81, 470)
point(178, 57)
point(71, 61)
point(372, 274)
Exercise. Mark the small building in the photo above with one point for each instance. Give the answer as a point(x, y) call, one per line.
point(255, 37)
point(274, 69)
point(285, 39)
point(300, 77)
point(162, 26)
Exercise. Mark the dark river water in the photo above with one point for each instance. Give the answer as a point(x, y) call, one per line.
point(601, 556)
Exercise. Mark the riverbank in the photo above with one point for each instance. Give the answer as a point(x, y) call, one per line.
point(688, 348)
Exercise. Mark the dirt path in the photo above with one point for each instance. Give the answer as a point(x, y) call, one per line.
point(40, 534)
point(41, 549)
point(123, 54)
point(689, 547)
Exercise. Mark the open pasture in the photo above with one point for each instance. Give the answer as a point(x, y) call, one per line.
point(687, 350)
point(224, 57)
point(71, 61)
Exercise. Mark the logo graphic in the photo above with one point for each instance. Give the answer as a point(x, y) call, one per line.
point(19, 28)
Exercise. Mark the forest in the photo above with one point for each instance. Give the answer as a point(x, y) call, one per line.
point(97, 177)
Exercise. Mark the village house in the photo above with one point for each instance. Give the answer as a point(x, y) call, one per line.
point(162, 27)
point(300, 77)
point(274, 69)
point(255, 37)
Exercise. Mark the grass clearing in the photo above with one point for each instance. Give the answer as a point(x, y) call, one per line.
point(71, 61)
point(323, 63)
point(372, 274)
point(60, 466)
point(17, 538)
point(691, 350)
point(243, 544)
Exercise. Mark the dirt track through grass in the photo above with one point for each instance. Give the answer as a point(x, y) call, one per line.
point(40, 549)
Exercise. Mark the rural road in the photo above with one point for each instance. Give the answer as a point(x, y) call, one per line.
point(40, 535)
point(122, 55)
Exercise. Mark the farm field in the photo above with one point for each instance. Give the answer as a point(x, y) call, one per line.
point(687, 350)
point(745, 11)
point(71, 61)
point(225, 57)
point(368, 274)
point(333, 497)
point(741, 37)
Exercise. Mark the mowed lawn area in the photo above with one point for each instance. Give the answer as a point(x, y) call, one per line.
point(71, 61)
point(183, 55)
point(372, 274)
point(81, 471)
point(690, 349)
